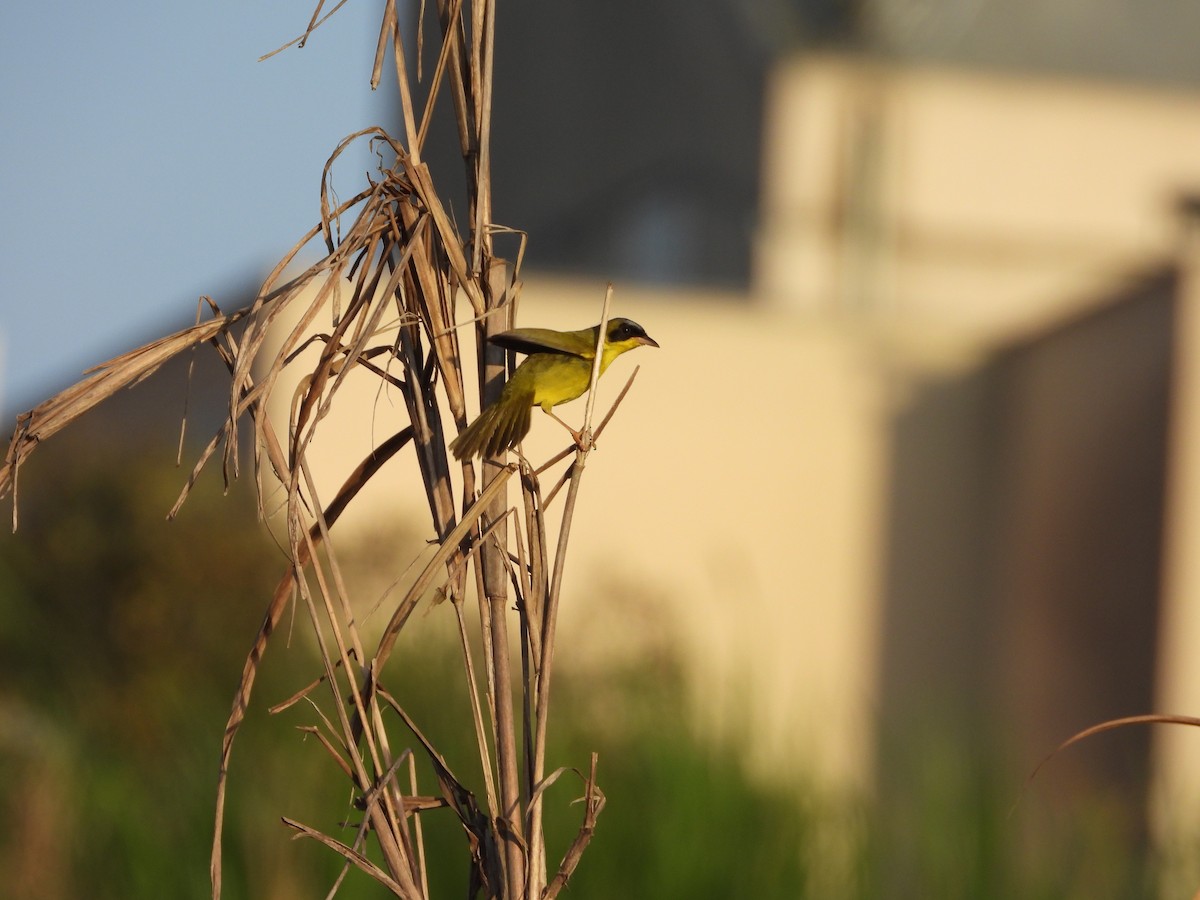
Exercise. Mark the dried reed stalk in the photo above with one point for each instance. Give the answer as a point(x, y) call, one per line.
point(409, 270)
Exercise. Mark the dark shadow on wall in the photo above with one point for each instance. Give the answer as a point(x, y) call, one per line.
point(1022, 588)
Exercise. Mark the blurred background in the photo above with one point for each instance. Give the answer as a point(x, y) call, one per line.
point(907, 497)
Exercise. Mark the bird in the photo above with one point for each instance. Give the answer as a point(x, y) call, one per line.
point(558, 369)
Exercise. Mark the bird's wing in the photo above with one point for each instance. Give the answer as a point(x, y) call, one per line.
point(544, 340)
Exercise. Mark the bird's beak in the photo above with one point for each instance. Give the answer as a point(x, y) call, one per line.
point(647, 340)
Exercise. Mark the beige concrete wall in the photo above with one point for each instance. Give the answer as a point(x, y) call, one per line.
point(911, 220)
point(1177, 758)
point(961, 212)
point(987, 206)
point(735, 500)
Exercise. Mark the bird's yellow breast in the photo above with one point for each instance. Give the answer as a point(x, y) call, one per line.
point(557, 378)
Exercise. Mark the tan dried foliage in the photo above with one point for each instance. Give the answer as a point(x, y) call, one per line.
point(409, 269)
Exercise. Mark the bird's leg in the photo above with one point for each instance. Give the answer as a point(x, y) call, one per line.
point(576, 435)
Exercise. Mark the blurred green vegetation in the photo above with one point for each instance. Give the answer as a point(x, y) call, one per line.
point(122, 638)
point(956, 816)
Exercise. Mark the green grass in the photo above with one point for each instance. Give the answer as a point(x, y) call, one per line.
point(120, 644)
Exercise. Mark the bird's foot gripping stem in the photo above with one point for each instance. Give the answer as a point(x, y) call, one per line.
point(583, 437)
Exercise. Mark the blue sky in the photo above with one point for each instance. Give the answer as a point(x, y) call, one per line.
point(147, 158)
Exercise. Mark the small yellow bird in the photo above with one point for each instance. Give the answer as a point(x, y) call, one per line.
point(558, 369)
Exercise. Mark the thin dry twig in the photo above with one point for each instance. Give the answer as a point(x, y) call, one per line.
point(313, 24)
point(1100, 728)
point(350, 854)
point(1110, 725)
point(594, 800)
point(549, 623)
point(48, 418)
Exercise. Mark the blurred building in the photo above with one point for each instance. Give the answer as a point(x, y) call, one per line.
point(964, 286)
point(977, 208)
point(1017, 244)
point(965, 204)
point(629, 136)
point(920, 466)
point(925, 456)
point(626, 136)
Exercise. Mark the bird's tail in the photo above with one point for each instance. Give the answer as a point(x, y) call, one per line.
point(498, 428)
